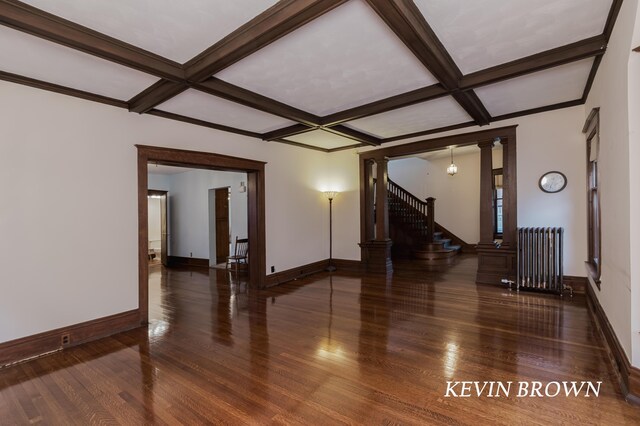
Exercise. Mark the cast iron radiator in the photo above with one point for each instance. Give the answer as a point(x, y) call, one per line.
point(540, 260)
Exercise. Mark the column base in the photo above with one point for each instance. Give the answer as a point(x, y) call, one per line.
point(376, 256)
point(494, 264)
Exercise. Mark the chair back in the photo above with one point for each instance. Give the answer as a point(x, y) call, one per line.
point(242, 246)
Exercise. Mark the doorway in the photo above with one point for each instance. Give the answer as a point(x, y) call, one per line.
point(255, 207)
point(157, 226)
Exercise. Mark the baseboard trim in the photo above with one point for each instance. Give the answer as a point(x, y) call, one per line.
point(628, 376)
point(297, 272)
point(49, 341)
point(347, 265)
point(578, 284)
point(187, 261)
point(312, 268)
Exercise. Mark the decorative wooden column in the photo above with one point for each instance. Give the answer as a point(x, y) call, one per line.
point(486, 195)
point(496, 262)
point(382, 205)
point(509, 194)
point(431, 218)
point(376, 253)
point(370, 219)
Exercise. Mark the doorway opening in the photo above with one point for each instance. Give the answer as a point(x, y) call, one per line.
point(245, 184)
point(158, 227)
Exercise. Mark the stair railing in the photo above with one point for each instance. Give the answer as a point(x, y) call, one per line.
point(410, 209)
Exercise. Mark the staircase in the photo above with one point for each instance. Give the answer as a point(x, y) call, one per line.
point(414, 230)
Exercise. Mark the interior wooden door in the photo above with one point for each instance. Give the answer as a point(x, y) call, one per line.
point(164, 229)
point(222, 224)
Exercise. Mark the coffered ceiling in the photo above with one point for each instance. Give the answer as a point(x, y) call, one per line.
point(320, 74)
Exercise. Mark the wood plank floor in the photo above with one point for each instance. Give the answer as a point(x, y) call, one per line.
point(341, 349)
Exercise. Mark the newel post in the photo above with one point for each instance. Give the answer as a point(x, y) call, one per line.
point(431, 218)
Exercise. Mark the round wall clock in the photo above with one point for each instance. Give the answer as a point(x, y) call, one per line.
point(552, 182)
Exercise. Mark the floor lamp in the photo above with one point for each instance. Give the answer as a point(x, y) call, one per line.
point(330, 196)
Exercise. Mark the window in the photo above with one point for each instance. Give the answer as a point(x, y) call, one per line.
point(497, 204)
point(592, 131)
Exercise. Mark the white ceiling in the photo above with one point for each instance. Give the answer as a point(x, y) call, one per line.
point(563, 83)
point(322, 139)
point(177, 30)
point(479, 34)
point(433, 114)
point(345, 58)
point(33, 57)
point(195, 104)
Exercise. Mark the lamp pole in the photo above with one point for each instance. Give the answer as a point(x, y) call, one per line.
point(330, 195)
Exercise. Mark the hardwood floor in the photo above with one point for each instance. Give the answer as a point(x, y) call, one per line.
point(347, 348)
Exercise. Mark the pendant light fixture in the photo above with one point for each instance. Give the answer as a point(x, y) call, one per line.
point(452, 169)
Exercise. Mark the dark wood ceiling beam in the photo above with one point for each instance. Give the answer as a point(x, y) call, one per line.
point(383, 105)
point(429, 132)
point(245, 97)
point(538, 110)
point(300, 145)
point(594, 46)
point(611, 18)
point(269, 26)
point(278, 21)
point(155, 95)
point(203, 123)
point(474, 107)
point(292, 130)
point(344, 148)
point(404, 18)
point(51, 87)
point(353, 134)
point(34, 21)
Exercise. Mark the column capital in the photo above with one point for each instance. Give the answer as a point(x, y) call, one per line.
point(486, 144)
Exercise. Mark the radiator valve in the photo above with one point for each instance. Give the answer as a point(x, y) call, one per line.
point(508, 282)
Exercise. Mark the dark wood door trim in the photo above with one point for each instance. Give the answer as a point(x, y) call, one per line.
point(202, 160)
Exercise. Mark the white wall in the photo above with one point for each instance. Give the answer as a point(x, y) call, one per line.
point(618, 163)
point(78, 159)
point(158, 182)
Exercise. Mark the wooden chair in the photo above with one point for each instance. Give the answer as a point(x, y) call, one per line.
point(241, 253)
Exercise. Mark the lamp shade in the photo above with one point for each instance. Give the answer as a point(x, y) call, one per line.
point(330, 194)
point(452, 169)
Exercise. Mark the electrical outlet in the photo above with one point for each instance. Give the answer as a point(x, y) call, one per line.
point(65, 339)
point(273, 269)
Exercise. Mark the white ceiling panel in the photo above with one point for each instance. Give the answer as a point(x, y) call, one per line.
point(479, 34)
point(433, 114)
point(178, 30)
point(322, 139)
point(345, 58)
point(195, 104)
point(548, 87)
point(33, 57)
